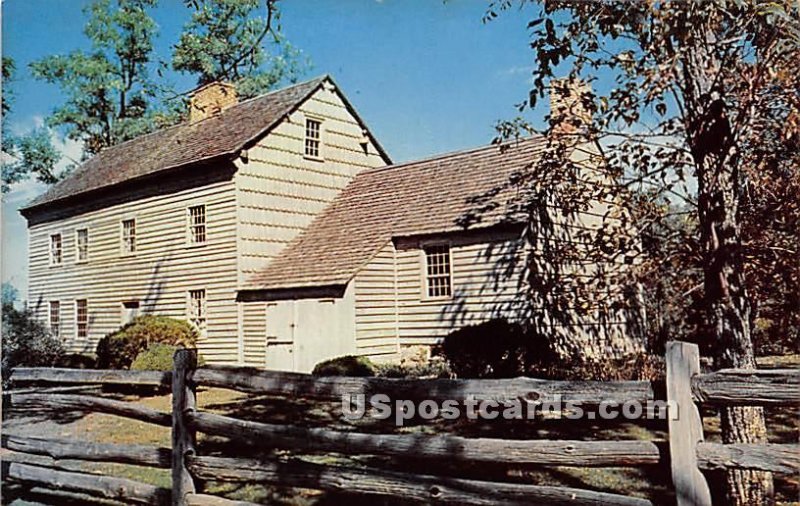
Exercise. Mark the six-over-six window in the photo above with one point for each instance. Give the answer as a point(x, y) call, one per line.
point(128, 236)
point(196, 309)
point(81, 318)
point(56, 252)
point(82, 245)
point(197, 224)
point(438, 275)
point(55, 318)
point(312, 140)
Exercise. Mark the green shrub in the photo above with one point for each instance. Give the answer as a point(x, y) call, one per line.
point(158, 357)
point(119, 349)
point(348, 365)
point(77, 361)
point(26, 342)
point(436, 368)
point(493, 349)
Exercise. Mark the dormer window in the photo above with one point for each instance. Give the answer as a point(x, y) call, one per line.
point(312, 140)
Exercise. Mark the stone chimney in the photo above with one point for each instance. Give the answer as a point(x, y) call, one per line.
point(211, 99)
point(569, 113)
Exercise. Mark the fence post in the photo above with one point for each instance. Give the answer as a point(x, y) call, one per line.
point(685, 425)
point(183, 438)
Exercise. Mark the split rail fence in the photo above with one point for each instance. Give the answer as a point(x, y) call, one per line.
point(686, 388)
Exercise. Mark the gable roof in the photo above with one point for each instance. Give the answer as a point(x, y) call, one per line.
point(424, 197)
point(221, 135)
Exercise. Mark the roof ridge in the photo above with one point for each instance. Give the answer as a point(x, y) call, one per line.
point(451, 154)
point(187, 122)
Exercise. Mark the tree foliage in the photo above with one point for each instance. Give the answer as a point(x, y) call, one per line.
point(238, 41)
point(26, 342)
point(110, 96)
point(694, 103)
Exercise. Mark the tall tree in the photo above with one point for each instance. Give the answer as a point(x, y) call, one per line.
point(695, 101)
point(238, 41)
point(32, 154)
point(108, 90)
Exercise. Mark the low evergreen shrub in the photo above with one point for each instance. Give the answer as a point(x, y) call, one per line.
point(119, 349)
point(348, 365)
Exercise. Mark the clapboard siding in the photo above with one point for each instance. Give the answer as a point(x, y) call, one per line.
point(376, 305)
point(279, 191)
point(254, 330)
point(159, 275)
point(391, 310)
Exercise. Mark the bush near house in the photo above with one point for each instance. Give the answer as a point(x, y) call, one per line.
point(493, 349)
point(119, 349)
point(26, 342)
point(157, 357)
point(348, 365)
point(499, 349)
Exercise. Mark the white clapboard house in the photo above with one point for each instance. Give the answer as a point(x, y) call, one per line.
point(280, 227)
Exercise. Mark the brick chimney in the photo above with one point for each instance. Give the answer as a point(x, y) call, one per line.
point(211, 99)
point(568, 111)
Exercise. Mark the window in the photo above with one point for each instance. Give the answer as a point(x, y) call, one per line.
point(55, 317)
point(196, 310)
point(313, 127)
point(81, 318)
point(81, 245)
point(437, 271)
point(128, 236)
point(130, 310)
point(55, 249)
point(197, 224)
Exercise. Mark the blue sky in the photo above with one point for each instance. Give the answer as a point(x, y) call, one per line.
point(427, 76)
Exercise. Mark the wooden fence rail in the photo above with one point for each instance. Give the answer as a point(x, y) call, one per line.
point(685, 449)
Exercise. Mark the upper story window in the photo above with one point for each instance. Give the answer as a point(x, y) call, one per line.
point(56, 251)
point(82, 245)
point(81, 318)
point(196, 310)
point(197, 224)
point(128, 236)
point(55, 317)
point(438, 275)
point(313, 129)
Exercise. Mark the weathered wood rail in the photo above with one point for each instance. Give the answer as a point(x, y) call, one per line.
point(291, 466)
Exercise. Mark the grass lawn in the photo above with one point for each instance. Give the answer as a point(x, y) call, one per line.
point(651, 482)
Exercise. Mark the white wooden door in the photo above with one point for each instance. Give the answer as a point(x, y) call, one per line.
point(280, 336)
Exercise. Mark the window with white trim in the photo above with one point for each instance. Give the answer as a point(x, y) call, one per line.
point(82, 318)
point(128, 236)
point(438, 276)
point(312, 140)
point(196, 309)
point(196, 216)
point(82, 245)
point(56, 250)
point(55, 318)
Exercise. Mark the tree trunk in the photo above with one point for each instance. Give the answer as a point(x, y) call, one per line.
point(730, 311)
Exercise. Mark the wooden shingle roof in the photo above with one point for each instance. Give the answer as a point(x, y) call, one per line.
point(424, 197)
point(222, 135)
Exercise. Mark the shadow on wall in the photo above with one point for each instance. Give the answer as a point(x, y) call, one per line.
point(565, 282)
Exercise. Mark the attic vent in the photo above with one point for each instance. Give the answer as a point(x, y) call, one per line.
point(211, 99)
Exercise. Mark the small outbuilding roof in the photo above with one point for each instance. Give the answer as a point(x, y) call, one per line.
point(432, 196)
point(221, 135)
